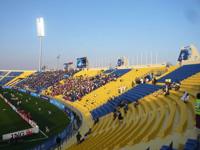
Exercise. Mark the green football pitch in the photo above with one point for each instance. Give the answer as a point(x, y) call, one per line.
point(42, 112)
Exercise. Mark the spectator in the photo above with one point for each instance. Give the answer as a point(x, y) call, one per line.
point(120, 117)
point(197, 110)
point(154, 81)
point(176, 85)
point(115, 110)
point(146, 80)
point(96, 120)
point(114, 115)
point(180, 62)
point(137, 81)
point(121, 104)
point(78, 137)
point(185, 97)
point(136, 103)
point(142, 81)
point(166, 90)
point(125, 108)
point(58, 142)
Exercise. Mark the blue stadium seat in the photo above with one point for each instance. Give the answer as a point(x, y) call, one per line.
point(132, 95)
point(166, 148)
point(2, 73)
point(169, 147)
point(120, 72)
point(14, 74)
point(6, 80)
point(191, 144)
point(108, 71)
point(182, 73)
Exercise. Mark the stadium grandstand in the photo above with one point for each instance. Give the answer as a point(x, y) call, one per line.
point(99, 75)
point(126, 107)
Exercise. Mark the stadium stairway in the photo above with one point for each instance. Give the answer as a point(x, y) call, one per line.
point(155, 122)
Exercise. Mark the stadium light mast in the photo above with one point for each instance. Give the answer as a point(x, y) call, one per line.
point(40, 34)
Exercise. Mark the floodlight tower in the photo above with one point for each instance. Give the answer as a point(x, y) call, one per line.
point(40, 34)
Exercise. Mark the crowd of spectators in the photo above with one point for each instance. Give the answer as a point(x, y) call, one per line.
point(42, 80)
point(123, 105)
point(147, 78)
point(169, 85)
point(75, 88)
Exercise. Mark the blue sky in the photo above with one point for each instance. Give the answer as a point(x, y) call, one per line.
point(102, 30)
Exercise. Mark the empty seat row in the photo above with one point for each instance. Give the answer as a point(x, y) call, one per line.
point(192, 144)
point(181, 73)
point(108, 71)
point(6, 80)
point(120, 72)
point(13, 74)
point(3, 73)
point(132, 95)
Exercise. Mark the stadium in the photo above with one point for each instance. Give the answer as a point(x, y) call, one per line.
point(121, 104)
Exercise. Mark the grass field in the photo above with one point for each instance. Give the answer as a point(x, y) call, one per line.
point(39, 109)
point(9, 120)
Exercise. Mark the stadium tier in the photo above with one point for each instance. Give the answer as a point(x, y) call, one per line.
point(7, 76)
point(155, 121)
point(14, 74)
point(137, 108)
point(101, 95)
point(19, 78)
point(120, 72)
point(108, 71)
point(42, 80)
point(76, 87)
point(104, 75)
point(6, 80)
